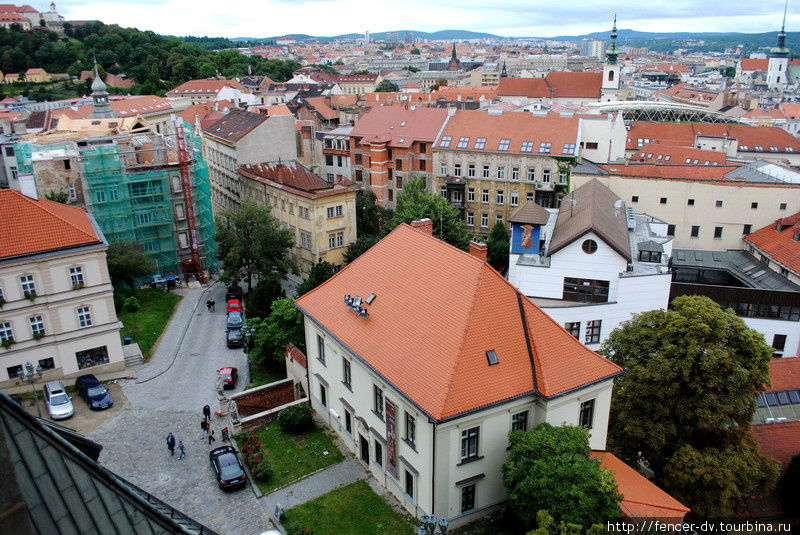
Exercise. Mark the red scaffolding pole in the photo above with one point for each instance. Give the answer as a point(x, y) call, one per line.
point(193, 264)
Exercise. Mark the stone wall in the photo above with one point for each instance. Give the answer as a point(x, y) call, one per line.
point(264, 398)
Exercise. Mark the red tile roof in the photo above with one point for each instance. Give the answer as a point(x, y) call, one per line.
point(773, 113)
point(748, 64)
point(779, 440)
point(683, 134)
point(640, 497)
point(36, 226)
point(296, 355)
point(320, 105)
point(687, 172)
point(12, 8)
point(523, 87)
point(203, 87)
point(670, 155)
point(13, 17)
point(784, 374)
point(780, 244)
point(554, 85)
point(438, 311)
point(399, 126)
point(290, 174)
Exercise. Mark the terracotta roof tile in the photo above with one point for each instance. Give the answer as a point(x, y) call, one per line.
point(784, 374)
point(523, 87)
point(34, 226)
point(686, 172)
point(553, 85)
point(290, 174)
point(663, 154)
point(779, 440)
point(683, 134)
point(203, 87)
point(748, 64)
point(399, 126)
point(437, 359)
point(780, 245)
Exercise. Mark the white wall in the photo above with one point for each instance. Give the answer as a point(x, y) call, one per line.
point(770, 327)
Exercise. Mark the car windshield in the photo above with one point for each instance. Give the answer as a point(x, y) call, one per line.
point(96, 391)
point(226, 377)
point(229, 466)
point(59, 399)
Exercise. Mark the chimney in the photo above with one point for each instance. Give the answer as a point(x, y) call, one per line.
point(27, 186)
point(478, 250)
point(423, 225)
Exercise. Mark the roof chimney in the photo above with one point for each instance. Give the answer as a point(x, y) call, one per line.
point(479, 250)
point(423, 225)
point(27, 186)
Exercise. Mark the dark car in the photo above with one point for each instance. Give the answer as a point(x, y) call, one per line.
point(233, 292)
point(93, 392)
point(228, 468)
point(235, 338)
point(229, 376)
point(235, 320)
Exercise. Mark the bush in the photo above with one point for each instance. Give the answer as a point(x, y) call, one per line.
point(295, 419)
point(261, 469)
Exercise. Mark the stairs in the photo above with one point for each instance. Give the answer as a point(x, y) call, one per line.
point(133, 355)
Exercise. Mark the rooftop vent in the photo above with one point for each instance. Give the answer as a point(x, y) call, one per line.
point(629, 217)
point(355, 303)
point(491, 356)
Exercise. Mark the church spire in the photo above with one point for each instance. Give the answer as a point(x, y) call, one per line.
point(781, 50)
point(612, 52)
point(504, 72)
point(101, 109)
point(453, 56)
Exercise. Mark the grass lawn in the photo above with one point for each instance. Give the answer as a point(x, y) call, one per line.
point(294, 457)
point(266, 374)
point(353, 509)
point(155, 309)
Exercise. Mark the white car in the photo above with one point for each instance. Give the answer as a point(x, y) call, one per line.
point(59, 403)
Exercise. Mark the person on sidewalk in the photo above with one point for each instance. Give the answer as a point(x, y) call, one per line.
point(204, 428)
point(181, 450)
point(211, 436)
point(207, 412)
point(171, 443)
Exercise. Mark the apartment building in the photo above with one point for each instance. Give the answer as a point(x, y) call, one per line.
point(56, 302)
point(320, 214)
point(200, 91)
point(336, 153)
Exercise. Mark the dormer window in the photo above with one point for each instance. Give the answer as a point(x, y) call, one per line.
point(649, 256)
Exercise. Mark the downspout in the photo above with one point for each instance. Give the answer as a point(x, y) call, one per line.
point(433, 472)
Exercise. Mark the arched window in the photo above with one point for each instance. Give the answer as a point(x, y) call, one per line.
point(610, 76)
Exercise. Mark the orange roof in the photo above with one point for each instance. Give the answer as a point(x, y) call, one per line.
point(791, 110)
point(438, 311)
point(784, 374)
point(687, 172)
point(779, 244)
point(523, 87)
point(210, 87)
point(518, 127)
point(773, 113)
point(139, 105)
point(779, 440)
point(671, 155)
point(640, 497)
point(34, 70)
point(321, 106)
point(37, 226)
point(554, 85)
point(688, 92)
point(461, 93)
point(398, 126)
point(750, 138)
point(748, 64)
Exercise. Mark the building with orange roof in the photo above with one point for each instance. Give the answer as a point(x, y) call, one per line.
point(574, 87)
point(199, 91)
point(9, 19)
point(37, 75)
point(778, 246)
point(422, 358)
point(780, 401)
point(695, 96)
point(659, 153)
point(57, 305)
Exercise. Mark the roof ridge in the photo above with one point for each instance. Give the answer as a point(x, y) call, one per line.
point(43, 207)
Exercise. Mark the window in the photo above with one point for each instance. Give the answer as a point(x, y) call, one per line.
point(544, 147)
point(546, 176)
point(485, 171)
point(527, 146)
point(5, 331)
point(529, 196)
point(484, 220)
point(485, 196)
point(690, 202)
point(471, 194)
point(457, 169)
point(331, 241)
point(469, 443)
point(480, 143)
point(504, 143)
point(27, 284)
point(514, 198)
point(348, 422)
point(783, 206)
point(467, 498)
point(515, 173)
point(499, 198)
point(573, 328)
point(423, 165)
point(47, 364)
point(585, 290)
point(589, 246)
point(670, 230)
point(519, 421)
point(398, 165)
point(73, 194)
point(323, 395)
point(10, 152)
point(663, 200)
point(531, 174)
point(84, 317)
point(76, 276)
point(562, 177)
point(378, 395)
point(753, 205)
point(398, 180)
point(569, 148)
point(305, 240)
point(717, 232)
point(462, 143)
point(471, 171)
point(778, 344)
point(346, 375)
point(586, 416)
point(593, 331)
point(340, 238)
point(92, 357)
point(649, 256)
point(423, 147)
point(501, 173)
point(328, 159)
point(409, 484)
point(591, 145)
point(445, 142)
point(321, 349)
point(746, 230)
point(470, 219)
point(695, 233)
point(443, 169)
point(443, 191)
point(411, 429)
point(719, 204)
point(498, 218)
point(335, 211)
point(37, 325)
point(635, 198)
point(378, 453)
point(13, 371)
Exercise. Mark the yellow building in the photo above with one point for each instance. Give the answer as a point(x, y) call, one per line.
point(321, 216)
point(37, 75)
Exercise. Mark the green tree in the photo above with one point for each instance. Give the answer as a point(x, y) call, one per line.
point(359, 247)
point(131, 305)
point(362, 71)
point(319, 273)
point(550, 468)
point(415, 51)
point(250, 242)
point(411, 68)
point(261, 297)
point(416, 203)
point(790, 487)
point(127, 263)
point(439, 83)
point(57, 196)
point(371, 218)
point(547, 525)
point(386, 86)
point(685, 405)
point(498, 244)
point(271, 335)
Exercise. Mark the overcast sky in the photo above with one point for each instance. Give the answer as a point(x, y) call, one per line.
point(263, 18)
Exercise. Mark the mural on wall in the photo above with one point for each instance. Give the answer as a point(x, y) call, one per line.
point(391, 438)
point(525, 238)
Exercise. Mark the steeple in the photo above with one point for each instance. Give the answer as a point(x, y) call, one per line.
point(504, 72)
point(781, 51)
point(453, 64)
point(101, 109)
point(453, 56)
point(612, 52)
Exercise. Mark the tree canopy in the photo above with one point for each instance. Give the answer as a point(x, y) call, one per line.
point(359, 247)
point(319, 273)
point(371, 218)
point(416, 203)
point(550, 468)
point(127, 263)
point(272, 334)
point(685, 404)
point(386, 86)
point(261, 297)
point(498, 245)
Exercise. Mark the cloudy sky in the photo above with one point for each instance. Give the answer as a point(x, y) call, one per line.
point(262, 18)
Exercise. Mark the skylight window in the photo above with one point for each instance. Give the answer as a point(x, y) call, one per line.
point(480, 143)
point(774, 149)
point(688, 160)
point(462, 143)
point(759, 147)
point(743, 147)
point(544, 147)
point(445, 142)
point(569, 148)
point(789, 149)
point(491, 356)
point(527, 146)
point(504, 144)
point(667, 157)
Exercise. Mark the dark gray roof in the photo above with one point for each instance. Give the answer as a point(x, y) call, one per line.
point(740, 264)
point(650, 245)
point(236, 124)
point(530, 213)
point(67, 493)
point(761, 171)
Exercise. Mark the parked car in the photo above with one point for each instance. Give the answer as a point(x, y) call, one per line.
point(234, 292)
point(59, 404)
point(234, 305)
point(228, 468)
point(235, 338)
point(235, 320)
point(93, 392)
point(229, 376)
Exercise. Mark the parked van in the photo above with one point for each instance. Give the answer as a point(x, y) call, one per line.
point(59, 404)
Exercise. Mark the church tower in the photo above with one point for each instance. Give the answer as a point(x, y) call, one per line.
point(777, 75)
point(453, 64)
point(101, 108)
point(610, 85)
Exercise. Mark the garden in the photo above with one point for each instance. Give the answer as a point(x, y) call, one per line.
point(145, 318)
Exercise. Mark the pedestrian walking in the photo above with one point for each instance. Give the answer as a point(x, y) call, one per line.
point(204, 428)
point(213, 305)
point(181, 450)
point(207, 412)
point(171, 443)
point(225, 435)
point(211, 436)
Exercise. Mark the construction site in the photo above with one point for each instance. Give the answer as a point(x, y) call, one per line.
point(139, 185)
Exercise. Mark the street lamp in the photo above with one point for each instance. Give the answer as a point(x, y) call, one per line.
point(30, 377)
point(432, 525)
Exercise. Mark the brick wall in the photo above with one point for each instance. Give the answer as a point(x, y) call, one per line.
point(265, 398)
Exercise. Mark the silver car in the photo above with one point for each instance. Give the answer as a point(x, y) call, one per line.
point(59, 403)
